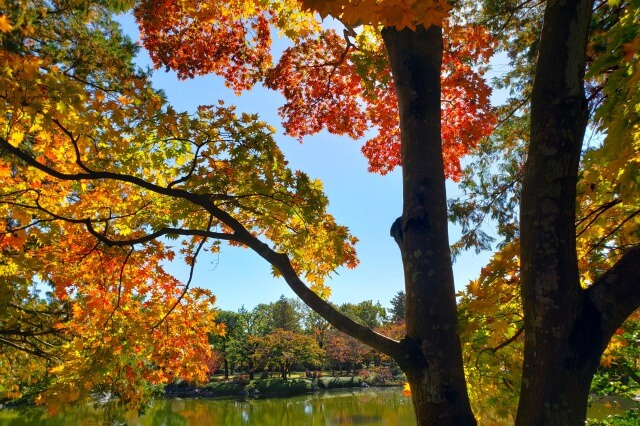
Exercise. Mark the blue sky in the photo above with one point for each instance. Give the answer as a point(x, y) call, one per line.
point(367, 203)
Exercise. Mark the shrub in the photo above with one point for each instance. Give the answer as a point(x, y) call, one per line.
point(339, 382)
point(224, 388)
point(630, 417)
point(242, 380)
point(280, 387)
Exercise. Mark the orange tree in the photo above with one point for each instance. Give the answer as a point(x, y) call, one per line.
point(216, 177)
point(345, 352)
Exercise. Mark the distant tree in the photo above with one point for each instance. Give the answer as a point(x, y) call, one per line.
point(345, 351)
point(315, 326)
point(215, 361)
point(239, 348)
point(256, 320)
point(283, 348)
point(395, 330)
point(239, 354)
point(366, 313)
point(235, 329)
point(286, 314)
point(397, 307)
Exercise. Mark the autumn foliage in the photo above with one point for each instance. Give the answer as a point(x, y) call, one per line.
point(330, 81)
point(103, 183)
point(96, 168)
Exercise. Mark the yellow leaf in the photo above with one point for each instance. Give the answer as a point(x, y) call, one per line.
point(5, 170)
point(5, 26)
point(16, 137)
point(406, 390)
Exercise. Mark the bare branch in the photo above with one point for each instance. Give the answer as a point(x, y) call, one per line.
point(124, 265)
point(155, 235)
point(188, 284)
point(501, 345)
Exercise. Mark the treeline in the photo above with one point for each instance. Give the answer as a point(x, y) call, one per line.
point(286, 335)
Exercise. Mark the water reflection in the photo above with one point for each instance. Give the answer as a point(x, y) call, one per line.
point(362, 407)
point(370, 407)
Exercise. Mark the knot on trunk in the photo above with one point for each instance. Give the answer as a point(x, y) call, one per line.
point(396, 231)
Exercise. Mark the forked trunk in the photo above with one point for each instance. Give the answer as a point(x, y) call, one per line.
point(564, 336)
point(431, 355)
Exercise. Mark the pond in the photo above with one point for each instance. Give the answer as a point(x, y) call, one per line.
point(362, 407)
point(365, 407)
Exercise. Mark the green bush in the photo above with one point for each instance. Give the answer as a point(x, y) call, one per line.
point(339, 382)
point(280, 387)
point(224, 388)
point(630, 417)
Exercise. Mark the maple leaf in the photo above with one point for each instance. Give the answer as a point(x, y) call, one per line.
point(5, 25)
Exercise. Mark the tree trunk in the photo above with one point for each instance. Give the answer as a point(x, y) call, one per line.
point(226, 369)
point(251, 370)
point(431, 355)
point(564, 337)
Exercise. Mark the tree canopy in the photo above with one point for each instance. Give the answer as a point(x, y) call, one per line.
point(103, 181)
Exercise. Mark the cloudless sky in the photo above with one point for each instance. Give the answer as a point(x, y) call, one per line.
point(365, 202)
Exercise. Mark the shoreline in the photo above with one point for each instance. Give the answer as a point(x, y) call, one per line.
point(272, 387)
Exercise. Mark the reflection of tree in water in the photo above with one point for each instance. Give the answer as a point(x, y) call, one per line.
point(26, 415)
point(207, 412)
point(367, 407)
point(371, 408)
point(358, 419)
point(163, 414)
point(83, 415)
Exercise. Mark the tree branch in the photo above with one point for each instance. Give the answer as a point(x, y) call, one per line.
point(501, 345)
point(154, 235)
point(240, 234)
point(616, 294)
point(188, 284)
point(197, 199)
point(35, 352)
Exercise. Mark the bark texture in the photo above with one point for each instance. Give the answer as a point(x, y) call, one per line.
point(565, 330)
point(431, 355)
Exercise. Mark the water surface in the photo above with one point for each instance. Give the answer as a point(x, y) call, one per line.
point(366, 407)
point(356, 407)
